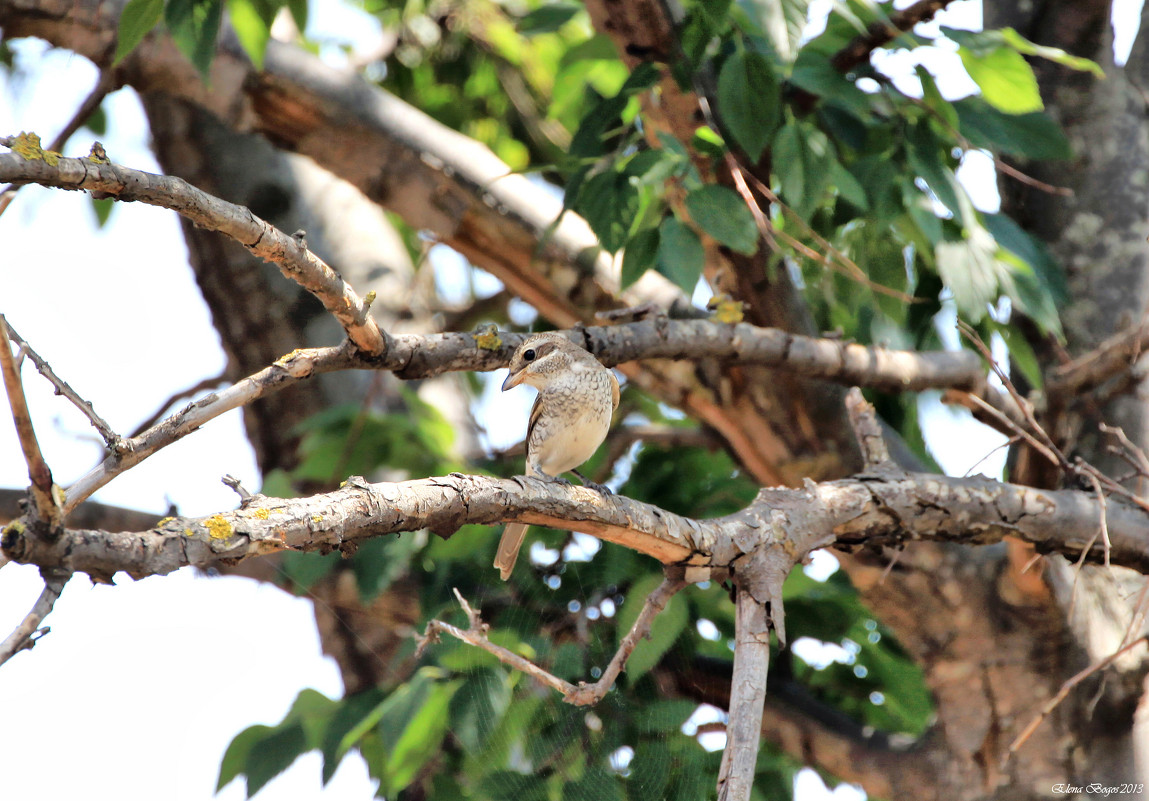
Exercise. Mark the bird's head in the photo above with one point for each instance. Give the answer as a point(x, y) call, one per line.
point(541, 358)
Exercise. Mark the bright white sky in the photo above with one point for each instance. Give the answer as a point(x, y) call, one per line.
point(141, 687)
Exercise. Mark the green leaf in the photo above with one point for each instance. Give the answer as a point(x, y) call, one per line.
point(1054, 54)
point(423, 732)
point(305, 569)
point(663, 717)
point(848, 186)
point(596, 783)
point(251, 29)
point(925, 154)
point(298, 9)
point(789, 165)
point(235, 757)
point(665, 630)
point(478, 707)
point(103, 208)
point(1033, 136)
point(649, 771)
point(350, 712)
point(547, 19)
point(749, 101)
point(639, 256)
point(680, 254)
point(1006, 80)
point(136, 20)
point(609, 202)
point(272, 755)
point(720, 212)
point(194, 26)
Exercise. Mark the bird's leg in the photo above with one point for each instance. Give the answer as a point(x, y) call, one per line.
point(601, 488)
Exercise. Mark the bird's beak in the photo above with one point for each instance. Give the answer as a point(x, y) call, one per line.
point(514, 379)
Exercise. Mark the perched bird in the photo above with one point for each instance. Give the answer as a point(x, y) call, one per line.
point(569, 420)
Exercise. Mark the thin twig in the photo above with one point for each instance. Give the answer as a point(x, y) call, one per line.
point(1062, 693)
point(1141, 461)
point(24, 636)
point(586, 695)
point(190, 392)
point(476, 635)
point(100, 424)
point(1019, 176)
point(38, 470)
point(1103, 513)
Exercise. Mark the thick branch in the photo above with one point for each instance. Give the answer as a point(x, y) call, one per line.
point(263, 239)
point(848, 513)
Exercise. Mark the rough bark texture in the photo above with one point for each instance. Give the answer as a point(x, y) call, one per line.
point(1099, 236)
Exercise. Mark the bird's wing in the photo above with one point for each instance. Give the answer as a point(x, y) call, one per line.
point(536, 411)
point(613, 389)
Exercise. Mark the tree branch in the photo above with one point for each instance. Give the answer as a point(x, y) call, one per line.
point(100, 424)
point(22, 636)
point(747, 696)
point(850, 513)
point(883, 32)
point(98, 175)
point(47, 508)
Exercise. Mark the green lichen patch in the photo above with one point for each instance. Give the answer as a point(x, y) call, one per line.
point(27, 146)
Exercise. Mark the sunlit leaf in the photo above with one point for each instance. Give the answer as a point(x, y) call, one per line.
point(680, 254)
point(723, 214)
point(137, 19)
point(749, 99)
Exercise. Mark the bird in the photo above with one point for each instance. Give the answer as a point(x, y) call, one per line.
point(569, 420)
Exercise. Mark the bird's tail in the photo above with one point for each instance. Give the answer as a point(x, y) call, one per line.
point(509, 545)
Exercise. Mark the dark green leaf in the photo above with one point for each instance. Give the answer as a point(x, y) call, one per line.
point(351, 711)
point(649, 771)
point(313, 711)
point(926, 157)
point(546, 19)
point(1033, 136)
point(720, 212)
point(235, 757)
point(814, 73)
point(848, 186)
point(597, 48)
point(478, 707)
point(680, 254)
point(381, 560)
point(663, 717)
point(97, 121)
point(639, 256)
point(136, 20)
point(790, 165)
point(595, 784)
point(304, 569)
point(1032, 251)
point(272, 755)
point(749, 101)
point(609, 202)
point(667, 626)
point(194, 26)
point(298, 9)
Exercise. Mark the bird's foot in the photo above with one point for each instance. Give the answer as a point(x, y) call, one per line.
point(602, 489)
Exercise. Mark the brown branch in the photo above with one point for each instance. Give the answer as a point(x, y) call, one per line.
point(25, 635)
point(869, 511)
point(582, 695)
point(882, 32)
point(289, 253)
point(43, 497)
point(747, 696)
point(100, 424)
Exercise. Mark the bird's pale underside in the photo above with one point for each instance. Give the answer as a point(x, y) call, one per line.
point(569, 420)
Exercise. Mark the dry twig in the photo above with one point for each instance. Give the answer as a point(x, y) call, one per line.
point(25, 635)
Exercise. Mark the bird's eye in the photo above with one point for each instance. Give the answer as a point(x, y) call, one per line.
point(529, 354)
